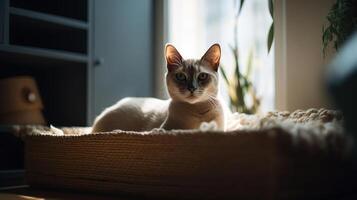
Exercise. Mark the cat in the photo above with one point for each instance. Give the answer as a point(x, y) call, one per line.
point(193, 88)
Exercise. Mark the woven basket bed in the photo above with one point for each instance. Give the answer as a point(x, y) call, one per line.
point(279, 155)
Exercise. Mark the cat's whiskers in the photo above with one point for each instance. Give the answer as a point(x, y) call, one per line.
point(212, 100)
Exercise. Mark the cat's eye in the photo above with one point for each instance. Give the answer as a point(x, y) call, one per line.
point(202, 76)
point(180, 76)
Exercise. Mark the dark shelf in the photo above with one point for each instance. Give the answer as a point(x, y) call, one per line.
point(77, 9)
point(49, 18)
point(49, 41)
point(62, 90)
point(11, 151)
point(12, 178)
point(13, 54)
point(37, 33)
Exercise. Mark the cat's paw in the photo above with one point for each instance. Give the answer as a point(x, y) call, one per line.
point(56, 131)
point(209, 126)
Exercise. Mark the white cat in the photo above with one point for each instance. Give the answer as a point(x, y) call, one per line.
point(193, 88)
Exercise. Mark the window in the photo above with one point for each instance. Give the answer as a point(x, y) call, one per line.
point(193, 25)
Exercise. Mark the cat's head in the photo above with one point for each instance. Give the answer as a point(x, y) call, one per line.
point(192, 80)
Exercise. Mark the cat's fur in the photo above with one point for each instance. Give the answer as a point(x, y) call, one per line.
point(192, 86)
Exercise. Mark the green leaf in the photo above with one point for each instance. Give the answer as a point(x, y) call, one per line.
point(236, 62)
point(245, 84)
point(270, 36)
point(237, 78)
point(250, 63)
point(241, 5)
point(224, 75)
point(271, 8)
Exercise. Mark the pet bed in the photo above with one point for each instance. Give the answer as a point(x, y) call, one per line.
point(280, 155)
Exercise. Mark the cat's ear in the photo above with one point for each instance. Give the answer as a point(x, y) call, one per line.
point(173, 57)
point(212, 56)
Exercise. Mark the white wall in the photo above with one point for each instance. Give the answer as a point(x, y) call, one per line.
point(299, 69)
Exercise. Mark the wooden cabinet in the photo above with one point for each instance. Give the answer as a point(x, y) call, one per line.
point(50, 41)
point(84, 54)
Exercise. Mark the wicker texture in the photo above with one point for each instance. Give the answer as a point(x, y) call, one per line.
point(269, 163)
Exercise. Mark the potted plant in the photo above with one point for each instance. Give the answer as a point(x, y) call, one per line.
point(341, 23)
point(240, 85)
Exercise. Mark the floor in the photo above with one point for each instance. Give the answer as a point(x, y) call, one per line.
point(27, 193)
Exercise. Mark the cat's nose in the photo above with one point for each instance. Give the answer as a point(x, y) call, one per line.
point(191, 89)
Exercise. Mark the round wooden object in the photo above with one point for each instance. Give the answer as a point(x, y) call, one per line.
point(20, 101)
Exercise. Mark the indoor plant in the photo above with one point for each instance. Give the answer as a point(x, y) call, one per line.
point(341, 23)
point(239, 85)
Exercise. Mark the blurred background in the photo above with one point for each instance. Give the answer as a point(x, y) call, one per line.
point(74, 58)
